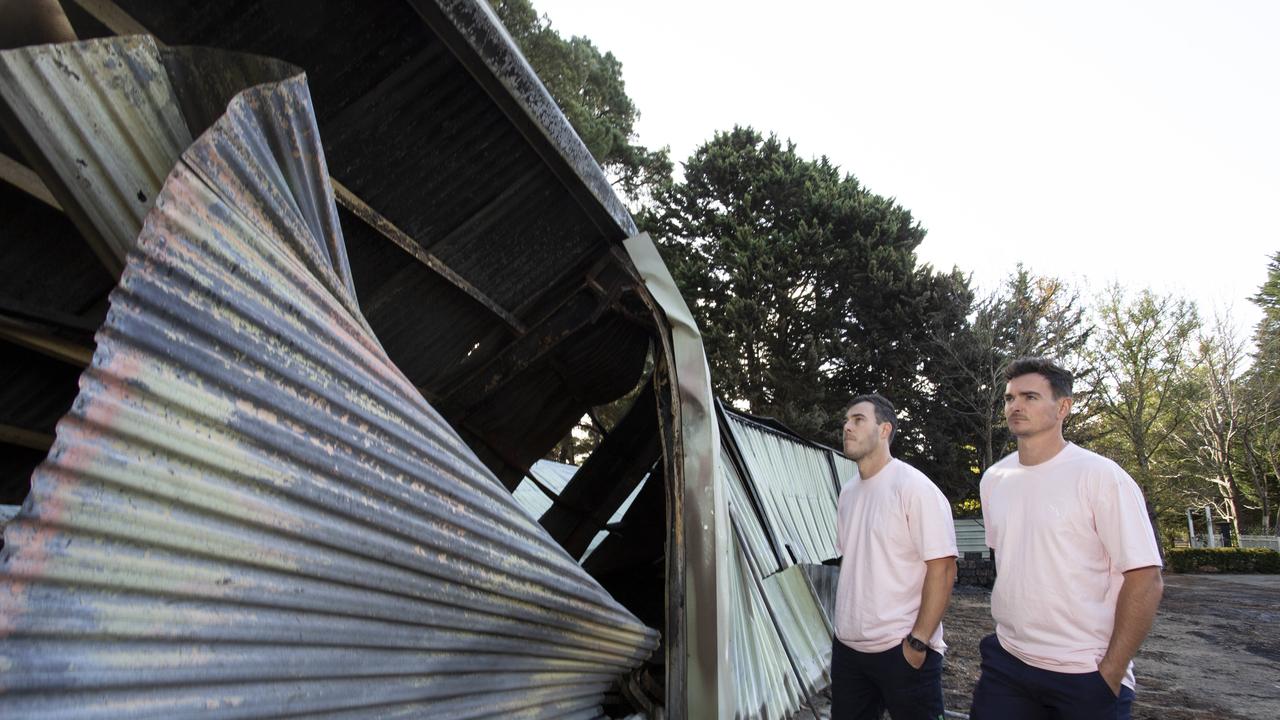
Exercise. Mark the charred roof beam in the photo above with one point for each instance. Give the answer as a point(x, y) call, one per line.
point(26, 180)
point(63, 337)
point(605, 480)
point(599, 292)
point(22, 437)
point(389, 230)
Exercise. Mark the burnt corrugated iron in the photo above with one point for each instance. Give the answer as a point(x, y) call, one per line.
point(250, 512)
point(792, 482)
point(103, 121)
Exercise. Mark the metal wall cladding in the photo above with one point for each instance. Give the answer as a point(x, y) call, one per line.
point(780, 648)
point(250, 512)
point(793, 484)
point(766, 686)
point(803, 625)
point(971, 537)
point(756, 539)
point(846, 469)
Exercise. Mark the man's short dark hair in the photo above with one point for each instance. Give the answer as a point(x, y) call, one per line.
point(885, 412)
point(1060, 379)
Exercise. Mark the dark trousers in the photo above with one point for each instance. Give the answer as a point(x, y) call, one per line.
point(865, 684)
point(1010, 689)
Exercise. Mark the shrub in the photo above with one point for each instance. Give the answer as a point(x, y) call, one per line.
point(1227, 560)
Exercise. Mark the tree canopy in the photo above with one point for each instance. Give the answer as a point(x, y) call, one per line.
point(587, 85)
point(807, 289)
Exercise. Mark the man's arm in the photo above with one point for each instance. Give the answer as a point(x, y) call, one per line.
point(1136, 606)
point(939, 578)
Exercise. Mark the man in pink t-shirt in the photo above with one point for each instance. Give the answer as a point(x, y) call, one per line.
point(894, 531)
point(1077, 566)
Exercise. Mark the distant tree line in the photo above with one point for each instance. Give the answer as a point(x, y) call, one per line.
point(807, 289)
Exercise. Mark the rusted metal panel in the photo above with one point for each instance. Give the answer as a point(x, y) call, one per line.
point(250, 512)
point(792, 482)
point(100, 121)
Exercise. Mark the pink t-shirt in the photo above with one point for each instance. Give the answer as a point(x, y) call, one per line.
point(887, 526)
point(1064, 533)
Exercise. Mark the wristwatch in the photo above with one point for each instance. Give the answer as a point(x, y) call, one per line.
point(916, 644)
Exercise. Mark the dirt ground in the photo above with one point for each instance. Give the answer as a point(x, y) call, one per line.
point(1214, 653)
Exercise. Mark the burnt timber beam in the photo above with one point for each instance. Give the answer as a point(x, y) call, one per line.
point(121, 23)
point(600, 291)
point(404, 241)
point(42, 339)
point(113, 18)
point(26, 180)
point(605, 480)
point(11, 435)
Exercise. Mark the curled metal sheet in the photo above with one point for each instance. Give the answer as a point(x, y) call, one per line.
point(792, 482)
point(250, 512)
point(103, 121)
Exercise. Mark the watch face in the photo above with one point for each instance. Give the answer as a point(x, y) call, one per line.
point(916, 644)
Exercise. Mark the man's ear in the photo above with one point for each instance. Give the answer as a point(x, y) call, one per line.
point(1064, 406)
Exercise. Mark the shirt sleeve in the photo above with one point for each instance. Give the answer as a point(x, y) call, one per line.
point(933, 532)
point(1120, 517)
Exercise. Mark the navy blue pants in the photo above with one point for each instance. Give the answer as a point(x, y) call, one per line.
point(1010, 689)
point(865, 684)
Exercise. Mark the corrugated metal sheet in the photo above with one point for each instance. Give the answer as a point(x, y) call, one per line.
point(971, 537)
point(553, 476)
point(846, 469)
point(105, 124)
point(249, 511)
point(824, 579)
point(803, 627)
point(765, 684)
point(756, 540)
point(792, 482)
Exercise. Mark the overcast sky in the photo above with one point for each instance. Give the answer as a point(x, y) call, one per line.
point(1136, 142)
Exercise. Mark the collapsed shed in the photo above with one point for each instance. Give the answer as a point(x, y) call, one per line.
point(301, 337)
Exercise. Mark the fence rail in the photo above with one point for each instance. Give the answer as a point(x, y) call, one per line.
point(1260, 541)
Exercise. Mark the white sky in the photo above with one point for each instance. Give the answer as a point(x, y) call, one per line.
point(1123, 141)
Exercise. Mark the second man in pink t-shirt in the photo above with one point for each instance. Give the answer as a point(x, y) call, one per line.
point(897, 539)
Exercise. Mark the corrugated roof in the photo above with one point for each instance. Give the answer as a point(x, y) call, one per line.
point(793, 485)
point(250, 511)
point(551, 475)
